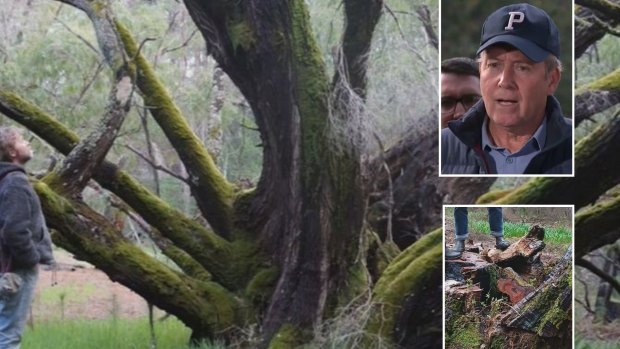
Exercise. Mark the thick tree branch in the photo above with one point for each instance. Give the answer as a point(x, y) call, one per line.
point(361, 18)
point(102, 18)
point(92, 238)
point(80, 163)
point(597, 226)
point(212, 191)
point(412, 273)
point(607, 7)
point(597, 96)
point(207, 248)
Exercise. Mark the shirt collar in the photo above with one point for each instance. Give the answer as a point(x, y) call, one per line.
point(537, 140)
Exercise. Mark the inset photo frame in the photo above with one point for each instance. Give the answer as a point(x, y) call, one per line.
point(508, 276)
point(506, 89)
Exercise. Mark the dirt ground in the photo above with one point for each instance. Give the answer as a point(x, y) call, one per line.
point(79, 291)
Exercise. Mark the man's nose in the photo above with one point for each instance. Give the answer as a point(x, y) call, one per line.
point(506, 79)
point(459, 109)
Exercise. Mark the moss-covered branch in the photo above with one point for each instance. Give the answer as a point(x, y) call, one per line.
point(207, 248)
point(77, 169)
point(203, 306)
point(407, 275)
point(607, 7)
point(597, 96)
point(212, 192)
point(597, 226)
point(102, 18)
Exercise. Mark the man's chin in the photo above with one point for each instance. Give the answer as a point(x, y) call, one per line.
point(24, 159)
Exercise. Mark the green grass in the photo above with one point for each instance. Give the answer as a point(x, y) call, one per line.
point(105, 334)
point(583, 343)
point(556, 235)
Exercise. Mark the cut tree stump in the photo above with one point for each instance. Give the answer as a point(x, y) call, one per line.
point(500, 300)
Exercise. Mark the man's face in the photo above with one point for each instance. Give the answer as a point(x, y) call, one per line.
point(21, 151)
point(515, 89)
point(462, 89)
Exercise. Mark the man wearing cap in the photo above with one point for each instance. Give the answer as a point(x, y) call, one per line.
point(518, 126)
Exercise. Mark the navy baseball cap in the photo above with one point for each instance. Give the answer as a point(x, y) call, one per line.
point(526, 27)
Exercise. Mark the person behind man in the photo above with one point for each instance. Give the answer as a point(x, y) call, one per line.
point(460, 87)
point(518, 127)
point(24, 239)
point(496, 224)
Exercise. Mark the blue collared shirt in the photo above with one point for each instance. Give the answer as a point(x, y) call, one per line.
point(505, 162)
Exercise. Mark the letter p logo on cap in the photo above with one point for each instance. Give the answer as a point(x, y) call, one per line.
point(515, 17)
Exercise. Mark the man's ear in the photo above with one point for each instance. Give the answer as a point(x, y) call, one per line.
point(554, 80)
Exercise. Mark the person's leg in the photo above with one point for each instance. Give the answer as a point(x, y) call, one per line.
point(460, 223)
point(496, 223)
point(14, 310)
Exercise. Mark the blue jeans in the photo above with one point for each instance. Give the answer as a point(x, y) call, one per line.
point(14, 310)
point(496, 222)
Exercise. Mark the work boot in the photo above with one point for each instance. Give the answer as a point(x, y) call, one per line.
point(459, 247)
point(501, 243)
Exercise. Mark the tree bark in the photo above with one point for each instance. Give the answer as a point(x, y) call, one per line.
point(597, 96)
point(293, 250)
point(588, 18)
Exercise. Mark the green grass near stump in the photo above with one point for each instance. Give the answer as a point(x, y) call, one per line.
point(108, 334)
point(557, 235)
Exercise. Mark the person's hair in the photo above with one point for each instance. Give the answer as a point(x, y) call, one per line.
point(460, 66)
point(551, 63)
point(8, 137)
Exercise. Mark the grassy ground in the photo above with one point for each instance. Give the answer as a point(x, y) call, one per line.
point(557, 223)
point(111, 333)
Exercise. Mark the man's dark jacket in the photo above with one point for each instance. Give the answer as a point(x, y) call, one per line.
point(23, 234)
point(462, 153)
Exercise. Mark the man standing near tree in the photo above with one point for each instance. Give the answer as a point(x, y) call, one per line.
point(24, 239)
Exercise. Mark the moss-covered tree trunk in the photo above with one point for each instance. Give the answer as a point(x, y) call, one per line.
point(283, 256)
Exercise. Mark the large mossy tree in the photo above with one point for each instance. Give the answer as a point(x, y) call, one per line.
point(292, 252)
point(285, 255)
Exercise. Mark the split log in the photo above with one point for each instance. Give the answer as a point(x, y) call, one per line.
point(545, 313)
point(520, 255)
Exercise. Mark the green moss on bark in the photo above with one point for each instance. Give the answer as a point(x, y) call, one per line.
point(608, 82)
point(213, 193)
point(205, 306)
point(311, 89)
point(241, 34)
point(493, 196)
point(408, 273)
point(288, 337)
